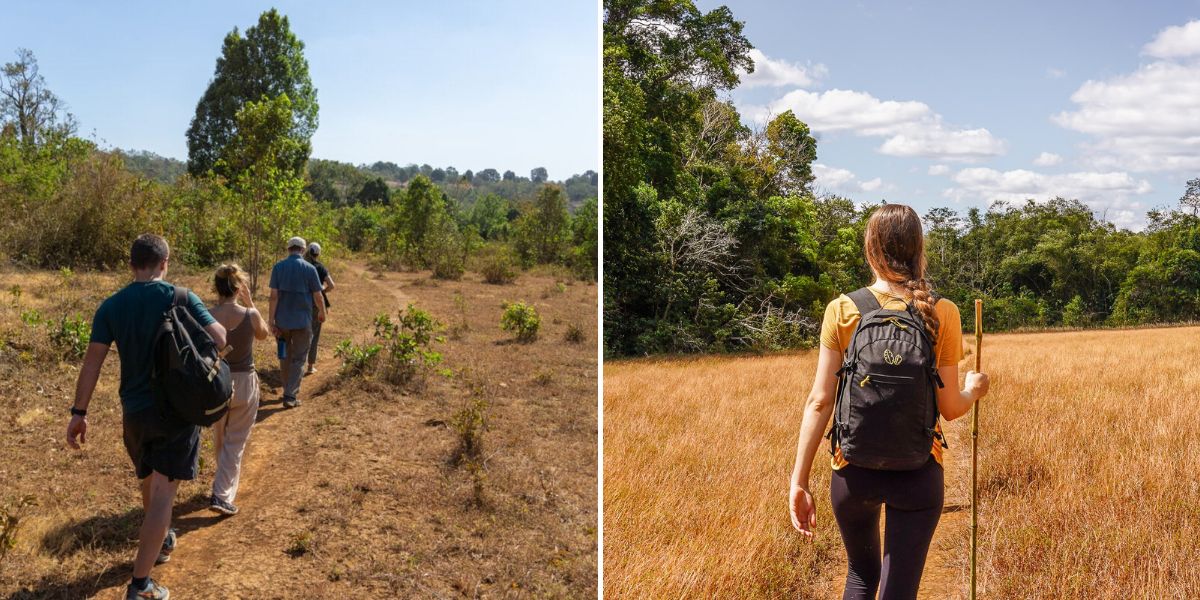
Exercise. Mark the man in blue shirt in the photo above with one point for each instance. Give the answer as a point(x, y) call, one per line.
point(295, 301)
point(164, 449)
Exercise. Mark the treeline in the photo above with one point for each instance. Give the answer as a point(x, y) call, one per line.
point(249, 184)
point(715, 241)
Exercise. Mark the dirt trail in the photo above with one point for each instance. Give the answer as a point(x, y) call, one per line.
point(218, 555)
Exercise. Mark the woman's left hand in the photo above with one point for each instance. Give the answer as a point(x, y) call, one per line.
point(804, 510)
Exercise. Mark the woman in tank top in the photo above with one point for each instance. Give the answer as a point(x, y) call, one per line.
point(235, 311)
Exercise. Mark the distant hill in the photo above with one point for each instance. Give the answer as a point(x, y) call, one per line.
point(341, 183)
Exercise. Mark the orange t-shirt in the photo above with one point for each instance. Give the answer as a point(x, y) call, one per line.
point(841, 318)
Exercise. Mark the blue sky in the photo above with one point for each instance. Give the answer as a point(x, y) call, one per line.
point(506, 84)
point(955, 104)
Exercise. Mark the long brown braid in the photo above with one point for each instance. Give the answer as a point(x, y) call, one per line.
point(895, 249)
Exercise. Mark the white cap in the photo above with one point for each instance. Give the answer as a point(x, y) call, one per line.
point(314, 248)
point(296, 242)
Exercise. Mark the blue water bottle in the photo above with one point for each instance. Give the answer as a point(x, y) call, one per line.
point(282, 348)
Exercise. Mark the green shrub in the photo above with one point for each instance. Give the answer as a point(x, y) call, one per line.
point(406, 343)
point(72, 336)
point(498, 267)
point(356, 358)
point(521, 319)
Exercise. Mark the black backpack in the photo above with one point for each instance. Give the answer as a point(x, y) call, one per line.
point(190, 377)
point(886, 409)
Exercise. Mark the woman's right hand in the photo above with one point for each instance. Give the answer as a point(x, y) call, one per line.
point(976, 384)
point(243, 296)
point(803, 509)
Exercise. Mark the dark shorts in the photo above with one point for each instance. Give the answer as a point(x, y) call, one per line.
point(163, 444)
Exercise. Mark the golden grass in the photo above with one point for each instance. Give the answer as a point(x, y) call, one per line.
point(1089, 475)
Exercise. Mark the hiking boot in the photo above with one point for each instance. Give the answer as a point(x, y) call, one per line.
point(152, 591)
point(223, 507)
point(310, 371)
point(168, 547)
point(291, 402)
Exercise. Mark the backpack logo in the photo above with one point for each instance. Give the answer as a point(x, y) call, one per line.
point(892, 358)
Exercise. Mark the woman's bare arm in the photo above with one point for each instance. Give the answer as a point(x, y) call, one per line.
point(817, 411)
point(954, 402)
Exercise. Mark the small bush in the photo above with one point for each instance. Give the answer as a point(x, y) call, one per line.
point(301, 544)
point(356, 358)
point(498, 268)
point(406, 343)
point(574, 334)
point(72, 336)
point(521, 319)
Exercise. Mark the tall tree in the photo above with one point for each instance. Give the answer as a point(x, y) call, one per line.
point(267, 63)
point(269, 192)
point(544, 228)
point(539, 175)
point(27, 104)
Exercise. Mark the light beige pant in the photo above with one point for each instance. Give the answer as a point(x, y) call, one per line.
point(231, 434)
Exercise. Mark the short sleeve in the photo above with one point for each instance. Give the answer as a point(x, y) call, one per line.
point(274, 284)
point(101, 326)
point(949, 337)
point(829, 326)
point(199, 311)
point(322, 273)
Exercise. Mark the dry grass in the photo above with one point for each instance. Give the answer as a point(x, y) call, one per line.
point(353, 495)
point(1090, 471)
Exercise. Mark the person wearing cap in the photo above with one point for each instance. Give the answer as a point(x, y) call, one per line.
point(296, 303)
point(314, 250)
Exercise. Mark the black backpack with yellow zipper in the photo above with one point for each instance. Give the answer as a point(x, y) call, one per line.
point(886, 414)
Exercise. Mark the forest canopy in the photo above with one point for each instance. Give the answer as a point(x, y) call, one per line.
point(715, 239)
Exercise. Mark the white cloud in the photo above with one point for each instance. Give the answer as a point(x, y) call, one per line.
point(911, 128)
point(1109, 194)
point(1175, 42)
point(1047, 159)
point(770, 72)
point(844, 181)
point(939, 170)
point(1147, 120)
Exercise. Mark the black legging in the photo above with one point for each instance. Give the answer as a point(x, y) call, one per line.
point(914, 505)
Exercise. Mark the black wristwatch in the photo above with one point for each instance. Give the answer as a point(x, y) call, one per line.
point(79, 412)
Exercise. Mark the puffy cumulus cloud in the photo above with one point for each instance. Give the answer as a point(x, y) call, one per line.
point(844, 181)
point(770, 72)
point(1175, 42)
point(1147, 120)
point(910, 128)
point(1047, 159)
point(1110, 194)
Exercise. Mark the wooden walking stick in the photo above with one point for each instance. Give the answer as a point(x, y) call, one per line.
point(974, 441)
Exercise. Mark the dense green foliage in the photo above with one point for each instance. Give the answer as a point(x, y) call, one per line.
point(265, 64)
point(714, 240)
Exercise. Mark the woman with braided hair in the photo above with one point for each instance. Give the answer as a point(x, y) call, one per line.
point(895, 250)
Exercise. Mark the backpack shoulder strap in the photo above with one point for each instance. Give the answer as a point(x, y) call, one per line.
point(864, 300)
point(181, 296)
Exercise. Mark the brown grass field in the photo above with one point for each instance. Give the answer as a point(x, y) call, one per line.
point(1089, 475)
point(352, 495)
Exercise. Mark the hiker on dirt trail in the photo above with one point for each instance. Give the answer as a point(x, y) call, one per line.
point(886, 351)
point(236, 312)
point(163, 448)
point(296, 303)
point(314, 250)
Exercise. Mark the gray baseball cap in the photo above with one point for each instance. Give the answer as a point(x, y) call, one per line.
point(314, 248)
point(296, 242)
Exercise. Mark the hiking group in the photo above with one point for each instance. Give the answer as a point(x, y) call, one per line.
point(886, 373)
point(184, 366)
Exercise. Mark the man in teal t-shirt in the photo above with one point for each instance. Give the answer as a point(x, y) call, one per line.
point(163, 448)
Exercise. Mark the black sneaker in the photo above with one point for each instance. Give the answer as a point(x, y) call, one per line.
point(152, 591)
point(291, 402)
point(223, 507)
point(168, 547)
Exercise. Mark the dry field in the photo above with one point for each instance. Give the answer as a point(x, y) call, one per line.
point(1089, 476)
point(354, 494)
